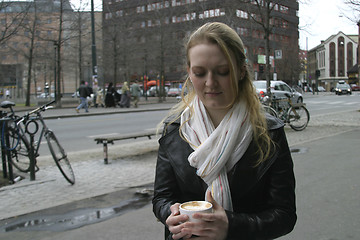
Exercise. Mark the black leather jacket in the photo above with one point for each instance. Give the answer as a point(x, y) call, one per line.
point(263, 197)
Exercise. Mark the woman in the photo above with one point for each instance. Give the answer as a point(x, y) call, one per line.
point(109, 97)
point(217, 142)
point(125, 96)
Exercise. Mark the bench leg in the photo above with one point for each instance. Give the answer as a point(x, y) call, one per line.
point(105, 152)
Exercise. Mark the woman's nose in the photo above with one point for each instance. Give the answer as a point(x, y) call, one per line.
point(210, 80)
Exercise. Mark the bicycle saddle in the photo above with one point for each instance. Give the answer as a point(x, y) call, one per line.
point(7, 104)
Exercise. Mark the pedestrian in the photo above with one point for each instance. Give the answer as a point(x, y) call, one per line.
point(7, 94)
point(109, 97)
point(125, 96)
point(99, 98)
point(219, 145)
point(84, 92)
point(135, 93)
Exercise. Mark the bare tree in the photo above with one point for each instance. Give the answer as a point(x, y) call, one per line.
point(262, 12)
point(11, 22)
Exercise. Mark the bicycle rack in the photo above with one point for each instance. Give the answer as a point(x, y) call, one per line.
point(32, 130)
point(5, 153)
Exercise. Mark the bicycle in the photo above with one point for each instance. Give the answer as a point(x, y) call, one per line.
point(21, 131)
point(295, 114)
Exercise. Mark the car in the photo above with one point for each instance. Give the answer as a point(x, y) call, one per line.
point(75, 94)
point(174, 92)
point(278, 89)
point(342, 88)
point(46, 95)
point(321, 89)
point(355, 87)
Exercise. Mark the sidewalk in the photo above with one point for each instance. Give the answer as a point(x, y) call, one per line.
point(151, 104)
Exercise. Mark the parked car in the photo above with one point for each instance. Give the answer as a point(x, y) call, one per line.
point(342, 88)
point(174, 92)
point(321, 89)
point(46, 95)
point(278, 89)
point(355, 87)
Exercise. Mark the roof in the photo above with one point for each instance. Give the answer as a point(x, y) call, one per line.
point(351, 37)
point(354, 69)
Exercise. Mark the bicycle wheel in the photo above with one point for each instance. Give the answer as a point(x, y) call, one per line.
point(298, 118)
point(271, 111)
point(60, 157)
point(19, 149)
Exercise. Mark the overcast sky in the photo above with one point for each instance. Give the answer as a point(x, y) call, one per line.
point(319, 19)
point(322, 18)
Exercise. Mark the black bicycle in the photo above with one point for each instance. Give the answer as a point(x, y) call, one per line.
point(20, 131)
point(295, 114)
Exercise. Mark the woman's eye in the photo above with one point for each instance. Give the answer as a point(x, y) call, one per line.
point(199, 74)
point(223, 72)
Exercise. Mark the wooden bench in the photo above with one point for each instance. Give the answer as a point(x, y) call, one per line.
point(111, 139)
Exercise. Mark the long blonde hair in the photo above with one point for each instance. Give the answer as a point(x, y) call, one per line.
point(233, 48)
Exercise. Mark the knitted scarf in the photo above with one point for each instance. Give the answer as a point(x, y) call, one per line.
point(216, 150)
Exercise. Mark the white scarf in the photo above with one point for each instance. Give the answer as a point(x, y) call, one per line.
point(216, 150)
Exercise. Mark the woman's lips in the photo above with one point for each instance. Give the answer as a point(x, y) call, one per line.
point(213, 94)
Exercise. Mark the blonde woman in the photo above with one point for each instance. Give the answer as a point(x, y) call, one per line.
point(219, 145)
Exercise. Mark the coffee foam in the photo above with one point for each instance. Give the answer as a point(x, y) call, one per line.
point(196, 206)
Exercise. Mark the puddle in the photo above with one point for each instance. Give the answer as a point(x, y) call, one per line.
point(75, 218)
point(298, 150)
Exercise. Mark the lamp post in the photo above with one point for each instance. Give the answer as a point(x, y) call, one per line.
point(93, 47)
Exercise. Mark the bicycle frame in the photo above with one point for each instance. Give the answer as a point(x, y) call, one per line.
point(26, 120)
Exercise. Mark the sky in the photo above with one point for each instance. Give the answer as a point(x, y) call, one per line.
point(319, 19)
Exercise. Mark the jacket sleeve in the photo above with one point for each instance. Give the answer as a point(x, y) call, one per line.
point(278, 215)
point(165, 186)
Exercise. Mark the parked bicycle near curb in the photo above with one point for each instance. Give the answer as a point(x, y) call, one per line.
point(295, 114)
point(20, 131)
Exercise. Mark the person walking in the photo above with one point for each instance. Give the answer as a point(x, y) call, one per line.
point(135, 93)
point(125, 96)
point(218, 144)
point(109, 96)
point(84, 92)
point(99, 98)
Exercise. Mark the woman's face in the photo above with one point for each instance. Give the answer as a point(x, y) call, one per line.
point(209, 72)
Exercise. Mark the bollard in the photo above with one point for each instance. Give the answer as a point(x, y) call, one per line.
point(105, 152)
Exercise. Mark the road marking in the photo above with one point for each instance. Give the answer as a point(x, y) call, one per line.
point(351, 103)
point(336, 102)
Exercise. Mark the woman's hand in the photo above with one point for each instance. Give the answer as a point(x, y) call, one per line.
point(214, 226)
point(175, 222)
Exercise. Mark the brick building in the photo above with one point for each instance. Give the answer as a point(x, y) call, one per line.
point(147, 37)
point(37, 24)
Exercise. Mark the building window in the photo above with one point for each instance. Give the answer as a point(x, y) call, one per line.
point(243, 31)
point(284, 9)
point(341, 67)
point(332, 59)
point(119, 13)
point(349, 55)
point(242, 14)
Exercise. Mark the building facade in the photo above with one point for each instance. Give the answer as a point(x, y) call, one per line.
point(146, 37)
point(333, 59)
point(35, 44)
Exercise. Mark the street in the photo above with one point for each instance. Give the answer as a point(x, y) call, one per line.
point(77, 134)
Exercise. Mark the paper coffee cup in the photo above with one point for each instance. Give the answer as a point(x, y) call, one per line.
point(189, 208)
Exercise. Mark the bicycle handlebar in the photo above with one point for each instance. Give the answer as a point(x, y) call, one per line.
point(42, 108)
